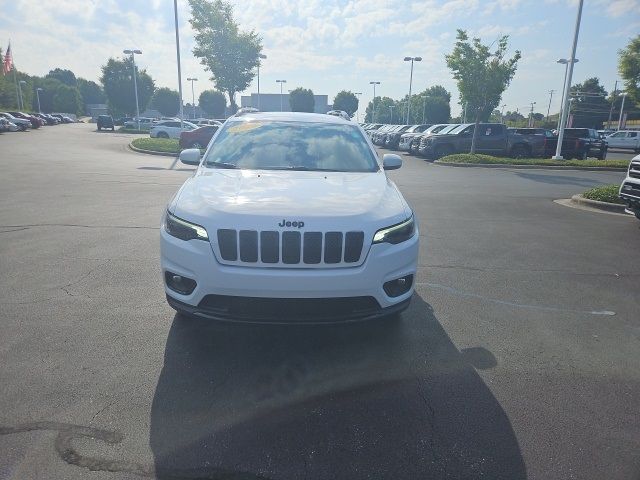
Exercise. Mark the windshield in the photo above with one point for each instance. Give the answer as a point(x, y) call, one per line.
point(275, 145)
point(458, 128)
point(576, 132)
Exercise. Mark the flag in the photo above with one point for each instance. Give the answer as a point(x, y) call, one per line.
point(7, 62)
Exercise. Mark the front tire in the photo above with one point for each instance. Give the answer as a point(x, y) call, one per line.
point(162, 135)
point(442, 151)
point(520, 151)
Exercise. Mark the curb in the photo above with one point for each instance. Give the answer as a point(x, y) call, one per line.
point(531, 167)
point(152, 152)
point(606, 206)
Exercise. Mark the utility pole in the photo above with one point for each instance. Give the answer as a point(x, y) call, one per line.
point(391, 109)
point(613, 101)
point(373, 114)
point(531, 115)
point(549, 108)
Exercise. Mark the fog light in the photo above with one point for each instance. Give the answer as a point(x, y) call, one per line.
point(179, 284)
point(399, 286)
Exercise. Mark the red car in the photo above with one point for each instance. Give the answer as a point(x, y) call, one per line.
point(198, 138)
point(35, 121)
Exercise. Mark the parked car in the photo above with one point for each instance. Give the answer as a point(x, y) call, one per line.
point(624, 139)
point(49, 120)
point(404, 143)
point(119, 122)
point(339, 113)
point(206, 121)
point(580, 143)
point(21, 123)
point(146, 123)
point(170, 129)
point(105, 121)
point(550, 138)
point(35, 121)
point(392, 139)
point(418, 142)
point(4, 125)
point(376, 135)
point(630, 188)
point(63, 118)
point(492, 139)
point(238, 244)
point(198, 138)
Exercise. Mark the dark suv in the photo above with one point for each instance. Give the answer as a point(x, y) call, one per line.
point(105, 121)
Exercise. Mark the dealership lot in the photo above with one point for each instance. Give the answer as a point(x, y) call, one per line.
point(517, 359)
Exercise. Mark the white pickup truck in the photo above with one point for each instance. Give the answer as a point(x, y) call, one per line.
point(630, 188)
point(624, 139)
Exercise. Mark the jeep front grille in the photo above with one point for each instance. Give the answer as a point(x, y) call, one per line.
point(290, 248)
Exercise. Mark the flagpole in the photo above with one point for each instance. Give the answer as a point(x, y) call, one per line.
point(15, 78)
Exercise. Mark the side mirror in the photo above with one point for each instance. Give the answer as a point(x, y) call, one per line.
point(190, 156)
point(391, 161)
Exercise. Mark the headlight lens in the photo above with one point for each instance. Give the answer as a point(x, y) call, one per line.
point(397, 233)
point(184, 230)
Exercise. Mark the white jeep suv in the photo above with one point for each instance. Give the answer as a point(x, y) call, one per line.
point(289, 217)
point(630, 188)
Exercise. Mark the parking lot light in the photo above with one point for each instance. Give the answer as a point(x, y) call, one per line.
point(38, 90)
point(21, 102)
point(373, 114)
point(565, 62)
point(624, 95)
point(357, 94)
point(193, 96)
point(281, 82)
point(410, 59)
point(135, 81)
point(261, 56)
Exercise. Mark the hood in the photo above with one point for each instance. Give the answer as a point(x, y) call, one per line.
point(251, 199)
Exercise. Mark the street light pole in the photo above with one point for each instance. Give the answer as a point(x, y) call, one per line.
point(424, 107)
point(281, 82)
point(357, 94)
point(175, 17)
point(38, 90)
point(373, 114)
point(391, 109)
point(193, 96)
point(567, 86)
point(624, 95)
point(410, 59)
point(565, 62)
point(21, 102)
point(260, 56)
point(613, 101)
point(135, 81)
point(502, 113)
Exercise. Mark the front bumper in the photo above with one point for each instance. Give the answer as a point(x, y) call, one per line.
point(195, 259)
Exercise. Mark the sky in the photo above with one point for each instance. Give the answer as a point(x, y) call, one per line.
point(331, 45)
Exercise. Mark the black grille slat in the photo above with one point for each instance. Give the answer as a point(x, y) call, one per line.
point(353, 242)
point(312, 247)
point(227, 241)
point(270, 247)
point(291, 247)
point(248, 246)
point(333, 247)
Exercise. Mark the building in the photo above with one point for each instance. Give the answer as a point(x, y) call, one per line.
point(270, 102)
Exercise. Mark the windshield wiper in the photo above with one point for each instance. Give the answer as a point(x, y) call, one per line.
point(302, 168)
point(221, 165)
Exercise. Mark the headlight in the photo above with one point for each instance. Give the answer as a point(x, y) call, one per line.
point(182, 229)
point(397, 233)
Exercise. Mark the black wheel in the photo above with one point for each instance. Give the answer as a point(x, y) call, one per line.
point(442, 151)
point(520, 151)
point(163, 135)
point(603, 154)
point(113, 129)
point(582, 155)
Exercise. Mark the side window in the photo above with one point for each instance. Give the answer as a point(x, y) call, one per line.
point(632, 134)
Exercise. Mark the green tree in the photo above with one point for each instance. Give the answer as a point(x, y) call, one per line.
point(590, 106)
point(436, 110)
point(438, 91)
point(91, 92)
point(213, 103)
point(117, 83)
point(346, 101)
point(67, 99)
point(166, 101)
point(482, 75)
point(629, 68)
point(301, 100)
point(231, 55)
point(383, 110)
point(65, 76)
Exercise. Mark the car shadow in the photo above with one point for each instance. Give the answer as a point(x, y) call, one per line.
point(385, 399)
point(559, 179)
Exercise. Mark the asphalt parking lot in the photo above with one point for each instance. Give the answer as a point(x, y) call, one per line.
point(517, 359)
